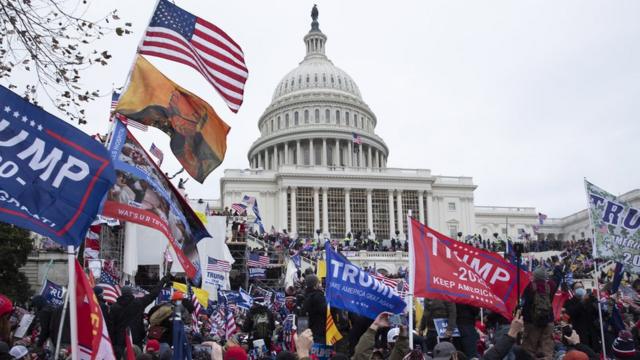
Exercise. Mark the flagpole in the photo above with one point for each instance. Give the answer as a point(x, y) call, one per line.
point(412, 270)
point(73, 314)
point(597, 269)
point(61, 326)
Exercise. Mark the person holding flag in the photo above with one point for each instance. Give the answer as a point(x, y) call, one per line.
point(538, 315)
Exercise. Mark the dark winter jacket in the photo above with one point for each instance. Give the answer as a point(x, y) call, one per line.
point(127, 312)
point(584, 319)
point(500, 349)
point(435, 309)
point(49, 318)
point(257, 310)
point(365, 347)
point(466, 314)
point(315, 307)
point(537, 286)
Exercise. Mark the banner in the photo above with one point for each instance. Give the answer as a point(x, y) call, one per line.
point(198, 135)
point(498, 273)
point(52, 175)
point(350, 288)
point(257, 273)
point(441, 327)
point(93, 338)
point(615, 224)
point(440, 274)
point(201, 295)
point(143, 195)
point(53, 293)
point(216, 278)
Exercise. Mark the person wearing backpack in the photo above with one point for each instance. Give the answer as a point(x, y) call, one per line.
point(260, 322)
point(538, 315)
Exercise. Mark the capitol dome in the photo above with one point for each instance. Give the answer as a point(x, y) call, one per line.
point(317, 117)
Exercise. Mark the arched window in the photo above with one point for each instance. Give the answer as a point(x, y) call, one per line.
point(306, 116)
point(324, 78)
point(307, 79)
point(346, 118)
point(315, 77)
point(286, 120)
point(271, 126)
point(279, 126)
point(317, 116)
point(327, 116)
point(338, 117)
point(295, 118)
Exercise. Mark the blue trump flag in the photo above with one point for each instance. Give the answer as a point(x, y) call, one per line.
point(353, 289)
point(52, 292)
point(52, 175)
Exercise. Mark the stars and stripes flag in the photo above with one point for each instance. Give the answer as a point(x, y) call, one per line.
point(288, 329)
point(240, 208)
point(217, 322)
point(115, 96)
point(110, 287)
point(357, 139)
point(402, 290)
point(248, 200)
point(218, 265)
point(155, 151)
point(177, 35)
point(230, 324)
point(257, 260)
point(92, 242)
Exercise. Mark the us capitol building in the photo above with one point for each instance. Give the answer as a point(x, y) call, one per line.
point(310, 177)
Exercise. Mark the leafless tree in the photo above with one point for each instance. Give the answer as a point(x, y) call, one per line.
point(47, 45)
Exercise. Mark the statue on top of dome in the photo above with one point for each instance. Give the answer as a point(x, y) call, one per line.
point(314, 13)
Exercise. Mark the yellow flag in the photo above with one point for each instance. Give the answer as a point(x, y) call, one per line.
point(419, 309)
point(201, 216)
point(322, 269)
point(201, 295)
point(332, 333)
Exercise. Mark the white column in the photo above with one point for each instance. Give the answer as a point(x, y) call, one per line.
point(286, 153)
point(375, 159)
point(275, 156)
point(392, 220)
point(283, 208)
point(350, 155)
point(265, 159)
point(316, 210)
point(298, 153)
point(401, 218)
point(369, 162)
point(312, 154)
point(294, 217)
point(347, 210)
point(260, 160)
point(431, 211)
point(361, 155)
point(324, 152)
point(336, 154)
point(325, 210)
point(421, 206)
point(369, 211)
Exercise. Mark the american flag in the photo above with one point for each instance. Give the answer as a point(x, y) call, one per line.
point(125, 120)
point(257, 260)
point(230, 325)
point(248, 200)
point(541, 218)
point(110, 287)
point(288, 329)
point(155, 151)
point(393, 283)
point(177, 35)
point(218, 265)
point(240, 208)
point(115, 96)
point(217, 322)
point(357, 139)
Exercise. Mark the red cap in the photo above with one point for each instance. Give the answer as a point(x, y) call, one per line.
point(235, 353)
point(177, 295)
point(6, 306)
point(153, 346)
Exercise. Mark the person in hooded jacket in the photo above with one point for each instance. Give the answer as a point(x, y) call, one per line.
point(126, 313)
point(315, 307)
point(260, 322)
point(583, 313)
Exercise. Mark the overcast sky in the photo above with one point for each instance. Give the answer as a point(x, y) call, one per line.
point(527, 97)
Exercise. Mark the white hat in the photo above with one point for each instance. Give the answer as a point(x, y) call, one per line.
point(18, 351)
point(393, 334)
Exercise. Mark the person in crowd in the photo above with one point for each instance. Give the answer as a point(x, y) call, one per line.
point(505, 342)
point(161, 318)
point(434, 309)
point(127, 314)
point(366, 344)
point(260, 322)
point(99, 292)
point(48, 317)
point(583, 314)
point(315, 307)
point(624, 347)
point(538, 315)
point(466, 321)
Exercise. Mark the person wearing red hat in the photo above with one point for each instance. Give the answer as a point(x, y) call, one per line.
point(6, 308)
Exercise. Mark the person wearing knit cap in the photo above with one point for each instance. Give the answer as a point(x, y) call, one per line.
point(624, 347)
point(576, 355)
point(235, 353)
point(537, 314)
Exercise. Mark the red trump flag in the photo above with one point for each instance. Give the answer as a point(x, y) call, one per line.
point(442, 273)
